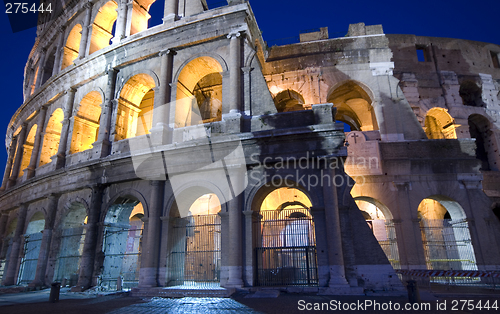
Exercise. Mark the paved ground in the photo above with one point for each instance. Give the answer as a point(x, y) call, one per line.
point(92, 303)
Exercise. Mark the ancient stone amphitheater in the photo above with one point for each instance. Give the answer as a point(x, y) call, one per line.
point(191, 155)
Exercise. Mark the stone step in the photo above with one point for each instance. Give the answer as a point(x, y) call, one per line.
point(179, 293)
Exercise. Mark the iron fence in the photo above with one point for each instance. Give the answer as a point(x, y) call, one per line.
point(285, 248)
point(70, 253)
point(122, 251)
point(195, 257)
point(447, 244)
point(31, 251)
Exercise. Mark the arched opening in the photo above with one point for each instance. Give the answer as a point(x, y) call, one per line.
point(135, 107)
point(122, 243)
point(289, 100)
point(48, 67)
point(27, 150)
point(199, 93)
point(195, 247)
point(354, 107)
point(72, 47)
point(86, 123)
point(140, 15)
point(445, 235)
point(6, 247)
point(486, 146)
point(379, 218)
point(72, 237)
point(31, 249)
point(471, 94)
point(439, 125)
point(52, 137)
point(102, 28)
point(284, 240)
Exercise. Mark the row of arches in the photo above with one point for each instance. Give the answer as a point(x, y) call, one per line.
point(198, 100)
point(102, 24)
point(444, 229)
point(355, 111)
point(284, 241)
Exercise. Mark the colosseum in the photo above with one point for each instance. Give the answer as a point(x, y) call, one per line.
point(193, 156)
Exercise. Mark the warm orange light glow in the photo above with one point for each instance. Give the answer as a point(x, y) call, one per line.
point(52, 137)
point(86, 123)
point(72, 47)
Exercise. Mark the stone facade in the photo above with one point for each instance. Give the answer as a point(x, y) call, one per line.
point(192, 153)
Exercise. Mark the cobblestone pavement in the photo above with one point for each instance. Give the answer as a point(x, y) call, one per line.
point(187, 305)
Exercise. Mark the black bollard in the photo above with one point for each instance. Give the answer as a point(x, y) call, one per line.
point(413, 294)
point(55, 287)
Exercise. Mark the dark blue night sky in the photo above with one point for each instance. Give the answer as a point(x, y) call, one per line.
point(465, 19)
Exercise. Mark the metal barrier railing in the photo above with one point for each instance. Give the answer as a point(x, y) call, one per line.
point(448, 278)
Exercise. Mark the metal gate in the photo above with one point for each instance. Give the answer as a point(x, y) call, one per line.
point(5, 255)
point(285, 248)
point(70, 253)
point(195, 256)
point(447, 244)
point(122, 250)
point(388, 242)
point(31, 251)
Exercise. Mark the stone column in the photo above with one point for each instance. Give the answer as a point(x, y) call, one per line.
point(408, 234)
point(59, 52)
point(103, 142)
point(86, 31)
point(234, 260)
point(9, 277)
point(121, 21)
point(170, 11)
point(10, 161)
point(128, 18)
point(235, 72)
point(90, 244)
point(333, 232)
point(250, 217)
point(43, 256)
point(149, 266)
point(3, 226)
point(161, 113)
point(63, 140)
point(21, 138)
point(41, 68)
point(38, 139)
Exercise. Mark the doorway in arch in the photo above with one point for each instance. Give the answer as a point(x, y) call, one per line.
point(285, 240)
point(195, 245)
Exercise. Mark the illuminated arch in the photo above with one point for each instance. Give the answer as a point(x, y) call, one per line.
point(445, 234)
point(439, 124)
point(194, 249)
point(135, 107)
point(140, 15)
point(289, 100)
point(379, 218)
point(28, 149)
point(103, 26)
point(354, 107)
point(72, 47)
point(86, 122)
point(122, 242)
point(70, 240)
point(32, 244)
point(199, 92)
point(52, 137)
